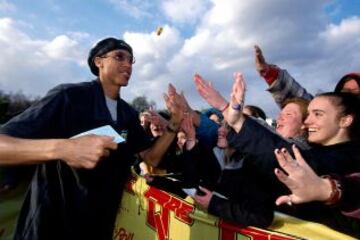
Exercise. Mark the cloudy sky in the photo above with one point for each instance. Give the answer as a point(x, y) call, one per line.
point(45, 42)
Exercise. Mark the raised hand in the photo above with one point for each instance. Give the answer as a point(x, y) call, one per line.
point(238, 91)
point(304, 184)
point(209, 93)
point(188, 127)
point(171, 90)
point(157, 119)
point(233, 115)
point(261, 66)
point(86, 151)
point(175, 106)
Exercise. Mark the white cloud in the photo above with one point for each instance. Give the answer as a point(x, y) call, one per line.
point(65, 47)
point(34, 66)
point(347, 30)
point(296, 35)
point(184, 11)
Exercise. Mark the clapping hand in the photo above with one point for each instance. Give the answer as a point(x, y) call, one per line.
point(209, 93)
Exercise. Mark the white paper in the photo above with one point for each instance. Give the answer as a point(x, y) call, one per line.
point(106, 130)
point(219, 195)
point(190, 191)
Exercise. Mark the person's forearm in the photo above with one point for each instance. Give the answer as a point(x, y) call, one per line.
point(271, 74)
point(258, 214)
point(154, 154)
point(238, 124)
point(25, 151)
point(285, 87)
point(259, 142)
point(234, 118)
point(324, 190)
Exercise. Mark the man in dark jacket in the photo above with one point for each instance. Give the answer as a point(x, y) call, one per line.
point(77, 185)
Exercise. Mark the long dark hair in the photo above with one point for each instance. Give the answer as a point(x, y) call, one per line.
point(348, 104)
point(256, 111)
point(352, 76)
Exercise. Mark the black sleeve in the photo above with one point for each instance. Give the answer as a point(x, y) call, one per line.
point(142, 140)
point(170, 160)
point(128, 119)
point(199, 167)
point(190, 166)
point(259, 142)
point(44, 119)
point(248, 211)
point(351, 191)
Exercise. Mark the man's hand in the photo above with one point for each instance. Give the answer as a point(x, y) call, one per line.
point(86, 151)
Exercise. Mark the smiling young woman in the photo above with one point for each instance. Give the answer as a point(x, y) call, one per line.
point(333, 126)
point(333, 118)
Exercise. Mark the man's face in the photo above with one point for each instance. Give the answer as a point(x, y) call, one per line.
point(289, 122)
point(115, 67)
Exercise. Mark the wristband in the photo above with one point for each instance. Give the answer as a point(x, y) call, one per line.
point(336, 191)
point(225, 107)
point(236, 107)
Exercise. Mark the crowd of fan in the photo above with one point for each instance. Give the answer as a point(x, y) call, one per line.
point(238, 163)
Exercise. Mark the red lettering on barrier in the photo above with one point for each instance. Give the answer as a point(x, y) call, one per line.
point(121, 234)
point(159, 221)
point(229, 231)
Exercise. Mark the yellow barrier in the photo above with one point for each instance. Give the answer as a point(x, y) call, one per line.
point(149, 213)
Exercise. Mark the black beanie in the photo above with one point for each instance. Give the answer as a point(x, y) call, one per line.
point(104, 46)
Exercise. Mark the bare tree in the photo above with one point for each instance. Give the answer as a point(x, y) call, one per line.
point(141, 103)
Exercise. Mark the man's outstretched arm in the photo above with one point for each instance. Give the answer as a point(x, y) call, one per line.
point(82, 152)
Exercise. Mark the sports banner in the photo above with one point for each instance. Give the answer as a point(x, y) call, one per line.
point(149, 213)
